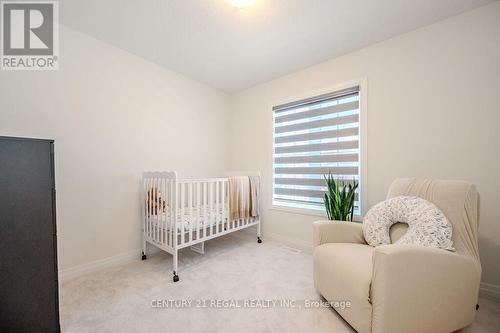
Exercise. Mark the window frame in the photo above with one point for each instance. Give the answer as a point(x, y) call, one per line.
point(362, 84)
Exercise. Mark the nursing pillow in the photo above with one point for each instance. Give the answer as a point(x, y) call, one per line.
point(427, 225)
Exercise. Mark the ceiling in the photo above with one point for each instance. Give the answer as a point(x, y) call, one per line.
point(233, 49)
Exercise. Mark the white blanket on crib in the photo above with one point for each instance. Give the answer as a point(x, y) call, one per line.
point(196, 218)
point(254, 196)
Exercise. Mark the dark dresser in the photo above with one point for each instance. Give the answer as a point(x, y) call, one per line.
point(28, 248)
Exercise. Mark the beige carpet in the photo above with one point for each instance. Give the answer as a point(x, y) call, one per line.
point(233, 269)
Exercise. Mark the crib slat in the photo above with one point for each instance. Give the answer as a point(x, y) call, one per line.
point(155, 212)
point(155, 203)
point(198, 210)
point(190, 203)
point(216, 215)
point(165, 218)
point(207, 215)
point(221, 216)
point(153, 219)
point(149, 208)
point(223, 199)
point(211, 206)
point(220, 213)
point(183, 204)
point(153, 207)
point(161, 193)
point(158, 211)
point(214, 210)
point(146, 204)
point(230, 220)
point(145, 207)
point(173, 227)
point(164, 214)
point(168, 208)
point(171, 212)
point(205, 203)
point(177, 212)
point(151, 211)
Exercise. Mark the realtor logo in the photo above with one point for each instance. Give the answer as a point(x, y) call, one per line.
point(29, 35)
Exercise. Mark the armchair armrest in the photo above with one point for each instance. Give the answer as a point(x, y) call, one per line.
point(420, 289)
point(337, 232)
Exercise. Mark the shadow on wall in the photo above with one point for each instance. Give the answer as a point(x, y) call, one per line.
point(488, 251)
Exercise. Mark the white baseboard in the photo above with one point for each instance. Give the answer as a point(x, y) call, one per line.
point(94, 266)
point(285, 240)
point(489, 290)
point(290, 241)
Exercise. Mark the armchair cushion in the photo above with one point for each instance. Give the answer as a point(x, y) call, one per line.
point(337, 232)
point(343, 272)
point(411, 281)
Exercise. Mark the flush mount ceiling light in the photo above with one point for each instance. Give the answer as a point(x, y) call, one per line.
point(241, 3)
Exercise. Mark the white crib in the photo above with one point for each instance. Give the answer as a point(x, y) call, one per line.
point(177, 213)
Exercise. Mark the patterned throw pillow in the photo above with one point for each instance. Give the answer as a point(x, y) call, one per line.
point(427, 225)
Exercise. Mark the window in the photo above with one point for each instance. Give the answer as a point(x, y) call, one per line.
point(313, 137)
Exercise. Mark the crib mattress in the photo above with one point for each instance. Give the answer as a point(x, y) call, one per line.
point(202, 217)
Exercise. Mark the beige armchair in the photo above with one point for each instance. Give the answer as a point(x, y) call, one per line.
point(404, 288)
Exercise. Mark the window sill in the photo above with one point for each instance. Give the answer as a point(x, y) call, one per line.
point(308, 212)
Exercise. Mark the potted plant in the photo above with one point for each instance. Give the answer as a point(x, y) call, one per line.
point(339, 200)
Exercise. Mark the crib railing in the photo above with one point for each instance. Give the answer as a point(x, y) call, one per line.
point(204, 202)
point(198, 200)
point(158, 208)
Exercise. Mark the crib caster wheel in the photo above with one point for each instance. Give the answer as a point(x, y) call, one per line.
point(259, 240)
point(176, 277)
point(144, 256)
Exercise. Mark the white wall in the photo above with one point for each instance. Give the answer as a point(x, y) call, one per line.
point(113, 116)
point(433, 111)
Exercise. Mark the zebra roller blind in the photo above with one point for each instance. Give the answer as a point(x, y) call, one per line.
point(313, 137)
